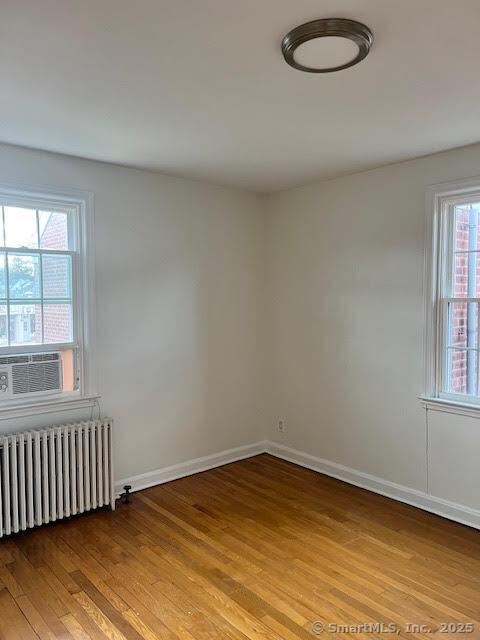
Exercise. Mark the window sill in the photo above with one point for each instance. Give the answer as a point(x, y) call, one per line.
point(53, 405)
point(451, 406)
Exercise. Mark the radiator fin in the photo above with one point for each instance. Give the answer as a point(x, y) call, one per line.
point(50, 474)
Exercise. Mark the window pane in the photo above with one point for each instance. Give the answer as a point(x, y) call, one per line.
point(57, 276)
point(57, 322)
point(466, 278)
point(462, 371)
point(466, 264)
point(3, 276)
point(467, 235)
point(24, 275)
point(53, 227)
point(25, 324)
point(3, 325)
point(21, 227)
point(462, 324)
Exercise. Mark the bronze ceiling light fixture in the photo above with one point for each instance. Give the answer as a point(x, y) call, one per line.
point(324, 46)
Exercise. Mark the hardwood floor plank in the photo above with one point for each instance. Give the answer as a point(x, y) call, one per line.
point(34, 618)
point(106, 607)
point(13, 624)
point(75, 628)
point(99, 618)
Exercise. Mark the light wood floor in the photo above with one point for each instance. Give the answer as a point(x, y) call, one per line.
point(257, 549)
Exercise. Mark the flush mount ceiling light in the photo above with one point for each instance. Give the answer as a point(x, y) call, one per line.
point(323, 46)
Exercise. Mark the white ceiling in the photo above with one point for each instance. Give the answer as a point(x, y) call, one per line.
point(199, 88)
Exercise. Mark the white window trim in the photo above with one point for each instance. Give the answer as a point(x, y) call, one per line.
point(432, 398)
point(87, 395)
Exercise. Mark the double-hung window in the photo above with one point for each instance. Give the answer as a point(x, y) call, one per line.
point(45, 287)
point(453, 286)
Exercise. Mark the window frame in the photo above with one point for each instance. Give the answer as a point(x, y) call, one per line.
point(441, 198)
point(80, 203)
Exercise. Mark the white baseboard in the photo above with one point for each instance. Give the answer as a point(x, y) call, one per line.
point(183, 469)
point(451, 510)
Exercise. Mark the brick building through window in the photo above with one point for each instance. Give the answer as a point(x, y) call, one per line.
point(463, 320)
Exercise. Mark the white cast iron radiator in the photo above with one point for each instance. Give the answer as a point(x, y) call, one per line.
point(53, 473)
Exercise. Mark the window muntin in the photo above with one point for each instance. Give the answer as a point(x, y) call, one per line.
point(458, 336)
point(37, 288)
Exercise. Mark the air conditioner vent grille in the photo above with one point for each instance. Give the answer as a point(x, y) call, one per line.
point(34, 377)
point(43, 357)
point(13, 359)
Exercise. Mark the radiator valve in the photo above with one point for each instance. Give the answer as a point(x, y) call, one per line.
point(125, 497)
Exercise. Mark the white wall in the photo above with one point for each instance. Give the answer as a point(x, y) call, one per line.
point(179, 268)
point(345, 268)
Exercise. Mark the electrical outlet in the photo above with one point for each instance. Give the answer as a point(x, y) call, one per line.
point(281, 426)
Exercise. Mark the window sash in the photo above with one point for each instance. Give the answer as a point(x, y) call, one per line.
point(42, 203)
point(42, 300)
point(446, 347)
point(39, 348)
point(60, 252)
point(444, 278)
